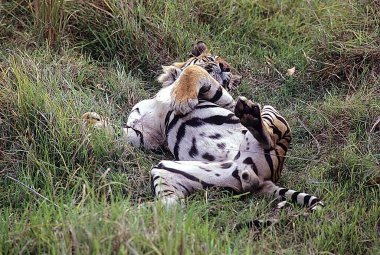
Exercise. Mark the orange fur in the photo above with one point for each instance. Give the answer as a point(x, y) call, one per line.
point(187, 87)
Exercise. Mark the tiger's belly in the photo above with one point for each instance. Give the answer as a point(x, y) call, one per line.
point(208, 133)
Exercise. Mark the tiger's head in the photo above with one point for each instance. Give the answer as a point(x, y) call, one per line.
point(216, 66)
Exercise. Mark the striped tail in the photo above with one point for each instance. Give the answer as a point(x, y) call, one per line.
point(301, 198)
point(304, 199)
point(269, 188)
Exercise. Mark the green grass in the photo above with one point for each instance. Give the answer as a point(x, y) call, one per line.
point(68, 190)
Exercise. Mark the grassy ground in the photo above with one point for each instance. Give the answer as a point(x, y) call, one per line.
point(67, 190)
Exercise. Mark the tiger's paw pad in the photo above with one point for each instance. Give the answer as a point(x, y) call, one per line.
point(248, 112)
point(183, 106)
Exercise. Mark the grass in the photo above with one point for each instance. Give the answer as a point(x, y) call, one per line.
point(68, 190)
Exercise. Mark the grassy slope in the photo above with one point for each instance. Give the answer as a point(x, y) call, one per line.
point(105, 57)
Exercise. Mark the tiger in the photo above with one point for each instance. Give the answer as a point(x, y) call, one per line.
point(216, 141)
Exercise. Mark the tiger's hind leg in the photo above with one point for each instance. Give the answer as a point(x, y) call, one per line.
point(172, 181)
point(268, 127)
point(266, 124)
point(193, 83)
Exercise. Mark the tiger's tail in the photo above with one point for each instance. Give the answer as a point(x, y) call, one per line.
point(301, 198)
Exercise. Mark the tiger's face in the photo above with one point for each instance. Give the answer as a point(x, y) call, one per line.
point(216, 66)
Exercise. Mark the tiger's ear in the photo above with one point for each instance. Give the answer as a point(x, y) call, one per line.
point(198, 49)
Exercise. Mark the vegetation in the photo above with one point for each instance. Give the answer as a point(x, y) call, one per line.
point(68, 190)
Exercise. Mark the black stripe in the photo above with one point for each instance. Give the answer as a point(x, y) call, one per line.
point(218, 95)
point(248, 161)
point(226, 165)
point(171, 124)
point(193, 150)
point(268, 158)
point(306, 199)
point(167, 117)
point(221, 119)
point(194, 122)
point(277, 171)
point(254, 168)
point(283, 121)
point(279, 117)
point(180, 135)
point(184, 187)
point(287, 132)
point(173, 76)
point(287, 138)
point(235, 174)
point(202, 106)
point(139, 134)
point(237, 156)
point(205, 169)
point(282, 146)
point(282, 192)
point(205, 88)
point(277, 131)
point(215, 136)
point(294, 196)
point(315, 200)
point(188, 176)
point(270, 119)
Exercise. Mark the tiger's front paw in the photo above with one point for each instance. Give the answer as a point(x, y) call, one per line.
point(183, 103)
point(248, 112)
